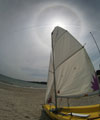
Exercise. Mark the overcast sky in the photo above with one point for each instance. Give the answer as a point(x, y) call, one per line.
point(25, 33)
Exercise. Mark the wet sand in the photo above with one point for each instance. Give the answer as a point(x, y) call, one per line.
point(26, 104)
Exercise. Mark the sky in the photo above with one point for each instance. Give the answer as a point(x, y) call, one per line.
point(25, 33)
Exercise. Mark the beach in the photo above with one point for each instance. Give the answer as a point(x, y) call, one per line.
point(18, 103)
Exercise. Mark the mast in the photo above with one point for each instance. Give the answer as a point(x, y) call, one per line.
point(54, 76)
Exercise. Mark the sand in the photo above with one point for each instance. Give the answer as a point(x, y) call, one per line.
point(26, 104)
point(21, 103)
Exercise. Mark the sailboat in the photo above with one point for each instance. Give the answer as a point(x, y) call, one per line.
point(71, 75)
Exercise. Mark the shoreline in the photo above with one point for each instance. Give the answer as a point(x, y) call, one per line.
point(12, 85)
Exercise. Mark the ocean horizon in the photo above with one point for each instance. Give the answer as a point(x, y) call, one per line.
point(22, 83)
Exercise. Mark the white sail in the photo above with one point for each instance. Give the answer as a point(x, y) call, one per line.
point(50, 84)
point(74, 71)
point(74, 76)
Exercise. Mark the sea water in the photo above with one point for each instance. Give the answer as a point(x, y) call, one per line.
point(29, 84)
point(21, 83)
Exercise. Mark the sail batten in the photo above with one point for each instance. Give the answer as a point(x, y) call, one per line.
point(69, 57)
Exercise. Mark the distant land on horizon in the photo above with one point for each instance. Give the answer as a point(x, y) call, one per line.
point(22, 83)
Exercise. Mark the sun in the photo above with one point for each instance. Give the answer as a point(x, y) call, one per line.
point(53, 22)
point(58, 23)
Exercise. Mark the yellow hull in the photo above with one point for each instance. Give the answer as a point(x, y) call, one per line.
point(93, 111)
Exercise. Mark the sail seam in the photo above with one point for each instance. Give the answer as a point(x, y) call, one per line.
point(69, 57)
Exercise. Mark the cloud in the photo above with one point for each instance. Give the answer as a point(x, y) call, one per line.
point(25, 33)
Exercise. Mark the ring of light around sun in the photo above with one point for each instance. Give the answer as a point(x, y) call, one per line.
point(57, 15)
